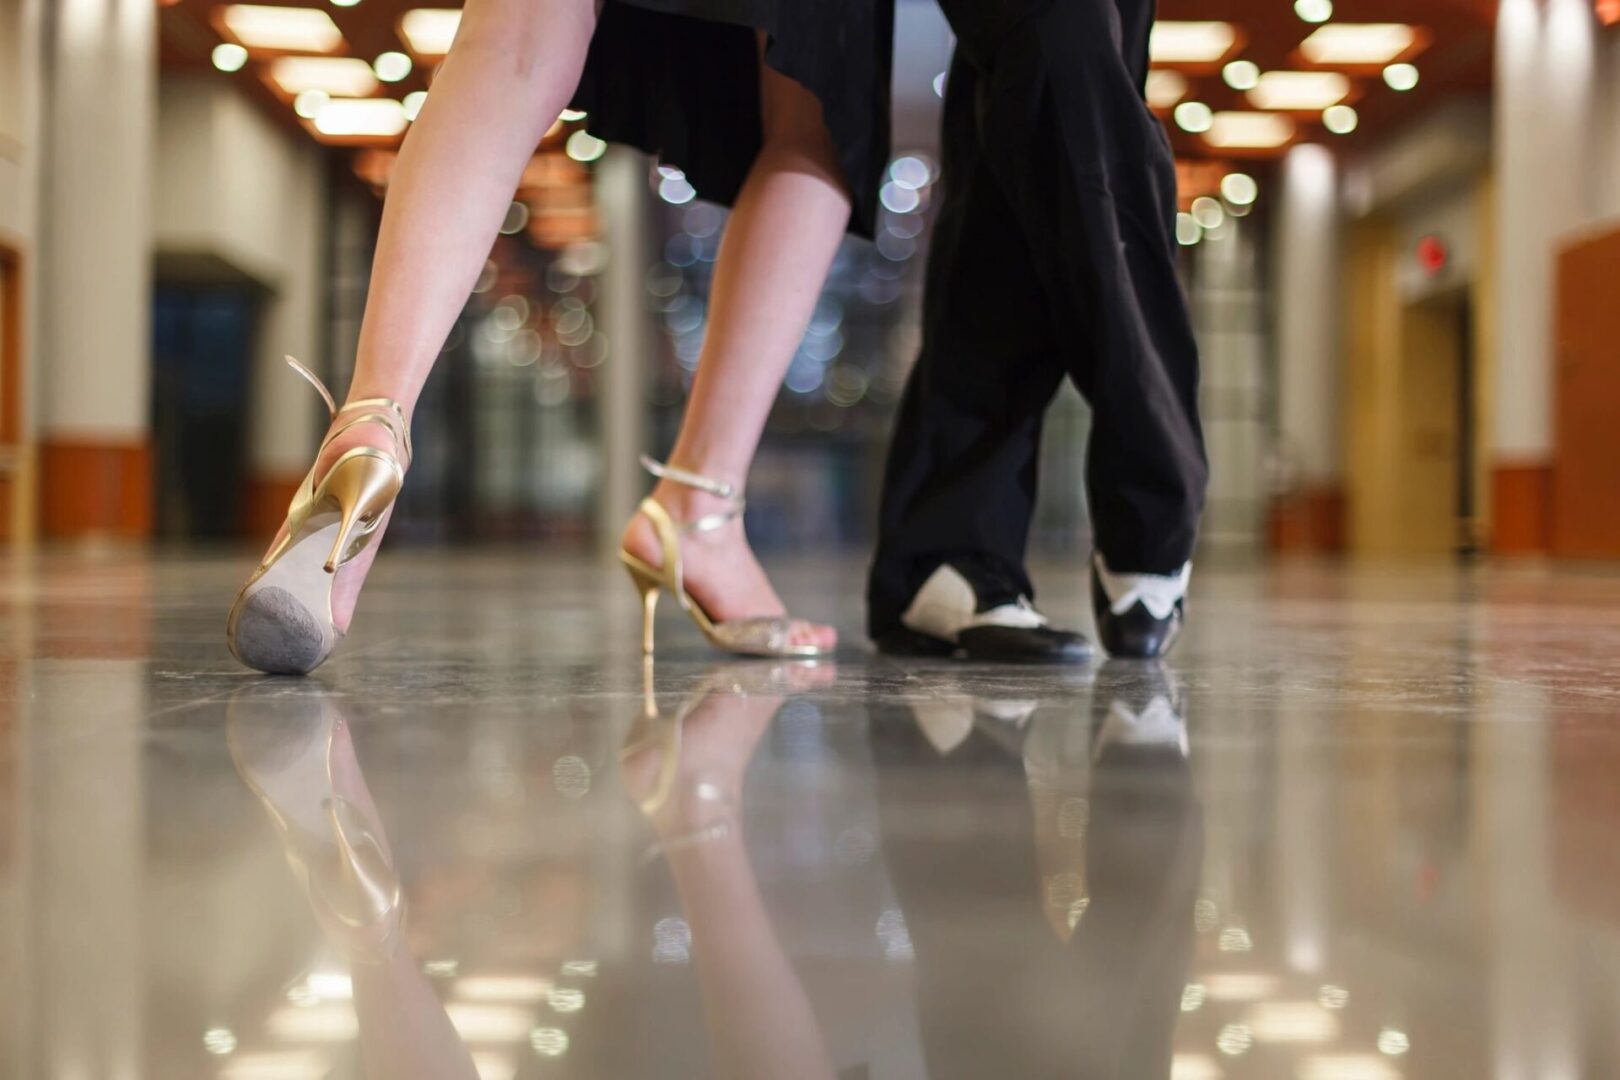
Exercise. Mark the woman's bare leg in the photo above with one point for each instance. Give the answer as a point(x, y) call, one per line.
point(779, 243)
point(514, 65)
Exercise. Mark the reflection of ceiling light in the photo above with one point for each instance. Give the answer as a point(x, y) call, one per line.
point(1194, 1067)
point(1292, 1022)
point(1393, 1042)
point(1194, 116)
point(361, 117)
point(1401, 76)
point(229, 57)
point(1241, 74)
point(1239, 986)
point(333, 1022)
point(1358, 43)
point(391, 66)
point(1347, 1067)
point(503, 988)
point(220, 1041)
point(1165, 88)
point(566, 999)
point(1234, 1039)
point(1314, 11)
point(1248, 131)
point(341, 76)
point(284, 29)
point(1191, 42)
point(277, 1065)
point(494, 1066)
point(488, 1023)
point(429, 31)
point(549, 1042)
point(1306, 91)
point(1340, 119)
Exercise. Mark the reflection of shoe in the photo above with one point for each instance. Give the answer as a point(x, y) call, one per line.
point(1138, 707)
point(1139, 616)
point(764, 636)
point(281, 622)
point(947, 718)
point(688, 785)
point(293, 750)
point(969, 606)
point(685, 771)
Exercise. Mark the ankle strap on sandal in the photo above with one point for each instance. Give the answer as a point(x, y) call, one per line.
point(383, 411)
point(718, 488)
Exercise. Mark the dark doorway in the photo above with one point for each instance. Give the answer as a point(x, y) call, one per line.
point(202, 354)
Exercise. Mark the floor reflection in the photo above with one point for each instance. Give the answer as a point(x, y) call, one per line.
point(1047, 861)
point(293, 749)
point(1356, 838)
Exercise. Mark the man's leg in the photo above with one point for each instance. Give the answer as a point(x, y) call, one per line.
point(960, 480)
point(1096, 200)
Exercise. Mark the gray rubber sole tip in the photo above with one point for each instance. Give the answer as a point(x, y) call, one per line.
point(277, 635)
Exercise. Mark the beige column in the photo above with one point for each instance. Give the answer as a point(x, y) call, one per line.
point(1310, 505)
point(22, 93)
point(95, 271)
point(1545, 68)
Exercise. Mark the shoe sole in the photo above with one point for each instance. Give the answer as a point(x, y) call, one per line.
point(276, 624)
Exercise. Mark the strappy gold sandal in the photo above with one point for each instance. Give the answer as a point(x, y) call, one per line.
point(762, 636)
point(281, 622)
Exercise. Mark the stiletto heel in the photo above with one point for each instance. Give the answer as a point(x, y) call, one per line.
point(364, 486)
point(281, 621)
point(648, 587)
point(765, 636)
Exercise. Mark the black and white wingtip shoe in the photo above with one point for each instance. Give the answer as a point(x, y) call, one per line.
point(970, 609)
point(1139, 616)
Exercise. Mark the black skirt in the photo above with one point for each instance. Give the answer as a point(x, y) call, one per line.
point(680, 80)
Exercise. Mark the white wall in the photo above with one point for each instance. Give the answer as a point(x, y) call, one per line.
point(234, 186)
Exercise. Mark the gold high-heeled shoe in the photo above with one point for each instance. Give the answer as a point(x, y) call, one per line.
point(761, 636)
point(281, 622)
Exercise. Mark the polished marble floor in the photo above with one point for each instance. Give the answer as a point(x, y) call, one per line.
point(1362, 826)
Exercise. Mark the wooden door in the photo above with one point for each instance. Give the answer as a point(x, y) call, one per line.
point(1586, 460)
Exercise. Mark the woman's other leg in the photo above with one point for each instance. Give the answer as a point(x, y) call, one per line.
point(779, 243)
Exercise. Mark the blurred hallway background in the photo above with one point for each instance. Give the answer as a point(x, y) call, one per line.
point(1401, 222)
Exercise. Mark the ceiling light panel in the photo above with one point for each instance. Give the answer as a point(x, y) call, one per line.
point(339, 76)
point(281, 29)
point(1249, 130)
point(1192, 42)
point(1299, 91)
point(1360, 43)
point(429, 31)
point(1165, 88)
point(361, 118)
